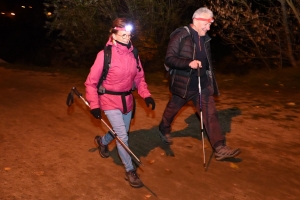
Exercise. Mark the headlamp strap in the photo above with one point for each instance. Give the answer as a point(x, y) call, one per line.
point(210, 20)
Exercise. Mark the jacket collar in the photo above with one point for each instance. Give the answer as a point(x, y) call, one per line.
point(120, 47)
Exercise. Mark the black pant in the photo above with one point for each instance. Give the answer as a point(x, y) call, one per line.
point(209, 114)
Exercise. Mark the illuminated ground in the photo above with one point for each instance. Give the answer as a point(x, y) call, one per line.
point(47, 150)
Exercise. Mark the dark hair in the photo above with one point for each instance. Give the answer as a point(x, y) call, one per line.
point(120, 23)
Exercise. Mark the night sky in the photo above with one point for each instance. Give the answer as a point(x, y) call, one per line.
point(22, 34)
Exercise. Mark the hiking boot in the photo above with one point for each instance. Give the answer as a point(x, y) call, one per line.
point(133, 179)
point(103, 149)
point(166, 138)
point(223, 151)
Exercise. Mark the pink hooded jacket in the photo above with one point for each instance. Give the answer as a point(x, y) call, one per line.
point(122, 74)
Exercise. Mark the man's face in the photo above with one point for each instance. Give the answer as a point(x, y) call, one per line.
point(202, 26)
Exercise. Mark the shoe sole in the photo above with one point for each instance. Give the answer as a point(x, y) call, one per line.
point(135, 186)
point(98, 146)
point(228, 156)
point(163, 138)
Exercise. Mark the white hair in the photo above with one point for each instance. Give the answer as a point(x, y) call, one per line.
point(202, 11)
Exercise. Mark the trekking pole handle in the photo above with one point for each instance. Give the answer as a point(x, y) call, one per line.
point(198, 70)
point(80, 96)
point(76, 91)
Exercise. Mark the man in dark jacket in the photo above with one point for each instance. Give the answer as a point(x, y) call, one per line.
point(188, 50)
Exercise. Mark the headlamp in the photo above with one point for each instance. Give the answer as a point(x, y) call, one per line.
point(209, 20)
point(127, 27)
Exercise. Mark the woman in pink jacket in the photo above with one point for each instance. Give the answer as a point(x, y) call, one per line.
point(115, 98)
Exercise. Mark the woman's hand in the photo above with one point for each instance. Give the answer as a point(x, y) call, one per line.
point(150, 100)
point(96, 113)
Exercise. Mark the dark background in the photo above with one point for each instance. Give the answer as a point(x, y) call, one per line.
point(25, 40)
point(22, 35)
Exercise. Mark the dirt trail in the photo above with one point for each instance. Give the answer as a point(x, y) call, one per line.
point(47, 150)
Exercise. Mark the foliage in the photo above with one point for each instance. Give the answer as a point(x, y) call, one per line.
point(155, 20)
point(82, 25)
point(256, 31)
point(79, 28)
point(295, 6)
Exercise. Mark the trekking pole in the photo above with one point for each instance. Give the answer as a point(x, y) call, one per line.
point(70, 101)
point(201, 118)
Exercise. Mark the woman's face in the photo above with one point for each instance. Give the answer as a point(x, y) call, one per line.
point(122, 36)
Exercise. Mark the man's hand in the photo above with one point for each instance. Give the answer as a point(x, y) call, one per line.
point(195, 64)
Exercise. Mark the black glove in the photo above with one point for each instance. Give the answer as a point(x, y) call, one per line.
point(150, 100)
point(96, 113)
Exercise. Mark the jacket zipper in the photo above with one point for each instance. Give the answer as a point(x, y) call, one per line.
point(188, 82)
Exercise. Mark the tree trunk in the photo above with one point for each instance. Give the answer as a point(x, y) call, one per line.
point(287, 33)
point(292, 6)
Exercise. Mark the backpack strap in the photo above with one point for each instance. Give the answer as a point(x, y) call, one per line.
point(183, 39)
point(181, 44)
point(106, 64)
point(107, 61)
point(136, 55)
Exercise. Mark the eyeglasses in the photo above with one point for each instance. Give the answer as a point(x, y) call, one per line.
point(124, 36)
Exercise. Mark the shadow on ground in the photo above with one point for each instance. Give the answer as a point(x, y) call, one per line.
point(141, 142)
